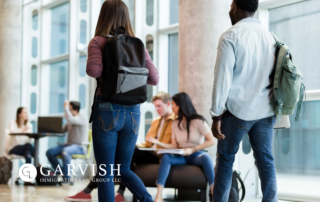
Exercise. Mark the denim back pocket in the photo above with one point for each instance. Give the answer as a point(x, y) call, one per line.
point(108, 119)
point(270, 121)
point(135, 122)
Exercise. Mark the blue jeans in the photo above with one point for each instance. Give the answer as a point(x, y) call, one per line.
point(199, 158)
point(115, 132)
point(65, 151)
point(25, 150)
point(260, 133)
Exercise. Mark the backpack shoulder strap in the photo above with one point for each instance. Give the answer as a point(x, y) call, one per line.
point(275, 37)
point(94, 101)
point(302, 93)
point(242, 186)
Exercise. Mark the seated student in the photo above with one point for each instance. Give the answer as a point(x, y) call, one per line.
point(20, 145)
point(189, 131)
point(160, 129)
point(77, 127)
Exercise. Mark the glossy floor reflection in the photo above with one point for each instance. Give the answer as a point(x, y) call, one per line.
point(57, 194)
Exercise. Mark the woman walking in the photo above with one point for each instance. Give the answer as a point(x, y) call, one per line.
point(115, 127)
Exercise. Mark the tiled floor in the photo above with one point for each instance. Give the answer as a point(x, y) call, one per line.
point(57, 194)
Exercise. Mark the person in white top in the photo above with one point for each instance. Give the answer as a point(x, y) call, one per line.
point(20, 145)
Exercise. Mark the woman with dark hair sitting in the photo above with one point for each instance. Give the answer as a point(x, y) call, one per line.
point(189, 132)
point(20, 145)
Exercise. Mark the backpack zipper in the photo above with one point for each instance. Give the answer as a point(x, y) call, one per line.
point(126, 72)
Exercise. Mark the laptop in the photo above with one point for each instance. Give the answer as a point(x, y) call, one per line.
point(50, 125)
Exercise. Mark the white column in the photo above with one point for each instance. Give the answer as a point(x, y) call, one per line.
point(10, 63)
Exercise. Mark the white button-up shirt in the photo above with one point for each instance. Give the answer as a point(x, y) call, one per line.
point(246, 57)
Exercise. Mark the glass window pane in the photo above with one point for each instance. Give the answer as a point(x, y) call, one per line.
point(82, 66)
point(83, 6)
point(173, 72)
point(34, 126)
point(34, 47)
point(297, 149)
point(35, 20)
point(297, 26)
point(60, 30)
point(62, 46)
point(83, 31)
point(34, 72)
point(130, 4)
point(149, 115)
point(149, 47)
point(58, 86)
point(82, 96)
point(33, 107)
point(149, 11)
point(148, 121)
point(174, 11)
point(297, 154)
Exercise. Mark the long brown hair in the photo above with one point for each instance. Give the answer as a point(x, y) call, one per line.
point(113, 13)
point(19, 111)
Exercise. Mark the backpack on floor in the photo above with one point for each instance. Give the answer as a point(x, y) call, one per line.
point(234, 192)
point(124, 75)
point(288, 88)
point(5, 170)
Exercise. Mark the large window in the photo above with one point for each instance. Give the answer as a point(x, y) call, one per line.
point(296, 150)
point(60, 30)
point(173, 72)
point(58, 86)
point(297, 26)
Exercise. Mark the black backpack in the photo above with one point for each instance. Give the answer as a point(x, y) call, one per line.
point(124, 76)
point(5, 170)
point(234, 192)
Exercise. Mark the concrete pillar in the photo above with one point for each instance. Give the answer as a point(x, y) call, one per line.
point(10, 63)
point(201, 23)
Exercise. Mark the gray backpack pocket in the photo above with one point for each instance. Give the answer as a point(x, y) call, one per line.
point(130, 78)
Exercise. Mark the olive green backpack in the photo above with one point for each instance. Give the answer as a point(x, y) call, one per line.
point(288, 88)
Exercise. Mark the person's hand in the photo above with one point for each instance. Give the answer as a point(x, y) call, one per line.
point(188, 151)
point(216, 125)
point(152, 140)
point(66, 103)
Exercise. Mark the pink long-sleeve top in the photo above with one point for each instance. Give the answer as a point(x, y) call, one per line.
point(95, 65)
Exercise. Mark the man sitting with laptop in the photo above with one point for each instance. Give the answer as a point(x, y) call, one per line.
point(77, 128)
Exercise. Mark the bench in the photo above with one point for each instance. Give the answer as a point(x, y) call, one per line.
point(180, 177)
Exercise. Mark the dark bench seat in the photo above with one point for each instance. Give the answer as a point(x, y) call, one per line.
point(180, 177)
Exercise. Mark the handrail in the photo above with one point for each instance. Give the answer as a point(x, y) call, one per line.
point(313, 95)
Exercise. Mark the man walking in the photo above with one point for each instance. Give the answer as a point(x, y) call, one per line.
point(242, 99)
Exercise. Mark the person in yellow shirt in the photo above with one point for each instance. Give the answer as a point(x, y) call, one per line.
point(160, 129)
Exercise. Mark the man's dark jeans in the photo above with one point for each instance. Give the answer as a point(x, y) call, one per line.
point(260, 133)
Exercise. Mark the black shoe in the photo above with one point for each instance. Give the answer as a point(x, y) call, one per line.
point(210, 196)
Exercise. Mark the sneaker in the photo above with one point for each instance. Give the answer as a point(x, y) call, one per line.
point(118, 198)
point(81, 196)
